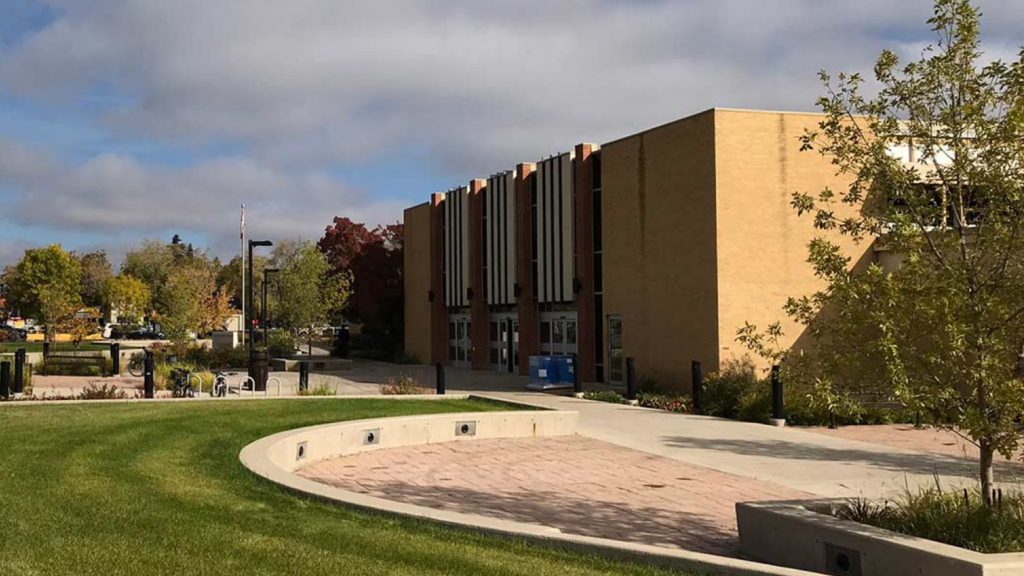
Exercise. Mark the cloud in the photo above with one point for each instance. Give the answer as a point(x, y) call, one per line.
point(116, 197)
point(481, 85)
point(302, 92)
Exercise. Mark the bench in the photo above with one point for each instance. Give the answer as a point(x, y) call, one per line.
point(75, 360)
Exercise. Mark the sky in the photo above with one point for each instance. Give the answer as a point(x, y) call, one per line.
point(122, 120)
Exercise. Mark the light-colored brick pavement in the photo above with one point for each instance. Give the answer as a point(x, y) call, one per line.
point(576, 484)
point(907, 437)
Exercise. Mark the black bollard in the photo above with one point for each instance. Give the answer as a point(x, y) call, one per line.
point(440, 378)
point(698, 385)
point(46, 352)
point(577, 384)
point(630, 380)
point(19, 371)
point(303, 376)
point(5, 380)
point(147, 375)
point(778, 413)
point(115, 359)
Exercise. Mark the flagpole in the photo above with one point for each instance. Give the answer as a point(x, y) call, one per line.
point(242, 235)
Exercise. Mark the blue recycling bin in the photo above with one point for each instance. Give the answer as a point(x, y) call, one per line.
point(543, 371)
point(566, 369)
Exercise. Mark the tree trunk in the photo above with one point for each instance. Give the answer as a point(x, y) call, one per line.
point(986, 473)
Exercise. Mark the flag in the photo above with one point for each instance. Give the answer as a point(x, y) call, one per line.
point(242, 226)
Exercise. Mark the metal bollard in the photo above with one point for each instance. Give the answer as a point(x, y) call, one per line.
point(577, 384)
point(630, 380)
point(147, 375)
point(439, 380)
point(115, 359)
point(698, 385)
point(19, 371)
point(46, 352)
point(5, 380)
point(778, 412)
point(303, 376)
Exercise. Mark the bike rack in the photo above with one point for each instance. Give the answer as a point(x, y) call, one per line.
point(198, 379)
point(267, 391)
point(250, 380)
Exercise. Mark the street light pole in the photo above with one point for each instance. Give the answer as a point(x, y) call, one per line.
point(263, 307)
point(257, 373)
point(249, 309)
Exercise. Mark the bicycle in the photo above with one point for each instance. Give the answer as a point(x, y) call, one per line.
point(182, 387)
point(137, 365)
point(220, 386)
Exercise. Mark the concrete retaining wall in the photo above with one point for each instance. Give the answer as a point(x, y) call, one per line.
point(297, 448)
point(799, 535)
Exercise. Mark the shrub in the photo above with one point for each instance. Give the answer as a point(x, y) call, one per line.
point(72, 370)
point(200, 357)
point(958, 518)
point(105, 392)
point(724, 392)
point(280, 343)
point(755, 405)
point(605, 396)
point(318, 390)
point(669, 402)
point(404, 385)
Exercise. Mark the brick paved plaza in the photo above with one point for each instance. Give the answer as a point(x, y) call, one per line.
point(576, 484)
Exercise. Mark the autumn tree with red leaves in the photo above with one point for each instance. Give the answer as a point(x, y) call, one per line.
point(375, 260)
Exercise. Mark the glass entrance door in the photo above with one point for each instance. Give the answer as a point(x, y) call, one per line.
point(616, 358)
point(558, 335)
point(504, 344)
point(458, 341)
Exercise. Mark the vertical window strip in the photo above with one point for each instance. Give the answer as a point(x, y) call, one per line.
point(552, 264)
point(541, 232)
point(568, 229)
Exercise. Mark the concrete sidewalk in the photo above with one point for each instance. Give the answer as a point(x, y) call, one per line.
point(815, 463)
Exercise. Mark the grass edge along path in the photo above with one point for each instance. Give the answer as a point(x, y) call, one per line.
point(157, 489)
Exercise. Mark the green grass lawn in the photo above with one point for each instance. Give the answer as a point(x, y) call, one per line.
point(153, 489)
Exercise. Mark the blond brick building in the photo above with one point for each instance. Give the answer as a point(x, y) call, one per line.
point(657, 246)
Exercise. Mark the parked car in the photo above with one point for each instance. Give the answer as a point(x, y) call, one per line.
point(11, 334)
point(110, 329)
point(145, 333)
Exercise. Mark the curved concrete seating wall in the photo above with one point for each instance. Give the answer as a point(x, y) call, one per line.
point(296, 448)
point(277, 457)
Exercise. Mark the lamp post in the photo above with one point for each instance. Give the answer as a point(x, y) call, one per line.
point(267, 272)
point(257, 369)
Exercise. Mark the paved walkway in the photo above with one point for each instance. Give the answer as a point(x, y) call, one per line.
point(576, 484)
point(824, 465)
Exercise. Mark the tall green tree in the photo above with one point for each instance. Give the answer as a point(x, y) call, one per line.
point(96, 270)
point(127, 295)
point(155, 263)
point(308, 293)
point(193, 302)
point(44, 285)
point(936, 163)
point(230, 278)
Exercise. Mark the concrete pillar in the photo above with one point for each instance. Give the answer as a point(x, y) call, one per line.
point(526, 301)
point(438, 312)
point(478, 314)
point(586, 323)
